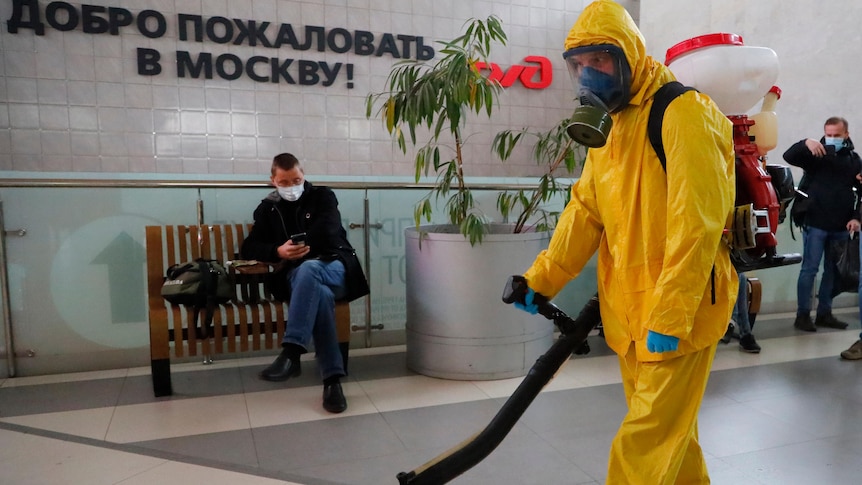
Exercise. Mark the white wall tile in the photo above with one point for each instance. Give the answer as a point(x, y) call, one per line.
point(53, 117)
point(115, 164)
point(217, 99)
point(142, 164)
point(80, 67)
point(28, 162)
point(138, 95)
point(51, 65)
point(192, 98)
point(21, 90)
point(24, 116)
point(140, 144)
point(194, 146)
point(219, 146)
point(25, 141)
point(55, 143)
point(242, 100)
point(110, 94)
point(243, 123)
point(193, 122)
point(83, 118)
point(112, 120)
point(218, 122)
point(168, 145)
point(266, 102)
point(81, 93)
point(79, 45)
point(84, 143)
point(139, 121)
point(269, 125)
point(56, 163)
point(268, 146)
point(166, 97)
point(20, 63)
point(4, 117)
point(109, 69)
point(112, 144)
point(244, 147)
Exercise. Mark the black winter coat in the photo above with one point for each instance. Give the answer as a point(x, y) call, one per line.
point(831, 182)
point(316, 214)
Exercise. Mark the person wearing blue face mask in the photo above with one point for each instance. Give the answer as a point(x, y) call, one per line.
point(298, 226)
point(831, 166)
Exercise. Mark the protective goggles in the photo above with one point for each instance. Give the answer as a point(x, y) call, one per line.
point(600, 71)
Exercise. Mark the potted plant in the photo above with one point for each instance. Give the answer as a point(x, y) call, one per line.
point(456, 325)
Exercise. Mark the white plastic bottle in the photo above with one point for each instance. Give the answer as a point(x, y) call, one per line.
point(765, 128)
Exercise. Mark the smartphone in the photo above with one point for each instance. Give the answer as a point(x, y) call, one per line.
point(298, 238)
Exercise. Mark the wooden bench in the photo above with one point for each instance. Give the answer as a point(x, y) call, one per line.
point(755, 294)
point(252, 320)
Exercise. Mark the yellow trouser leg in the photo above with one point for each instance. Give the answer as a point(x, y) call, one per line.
point(657, 440)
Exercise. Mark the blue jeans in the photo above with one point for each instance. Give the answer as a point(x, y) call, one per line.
point(815, 245)
point(314, 287)
point(740, 309)
point(860, 280)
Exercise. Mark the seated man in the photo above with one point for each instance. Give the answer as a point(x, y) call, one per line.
point(300, 225)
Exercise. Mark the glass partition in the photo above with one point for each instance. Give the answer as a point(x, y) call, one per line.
point(77, 274)
point(75, 261)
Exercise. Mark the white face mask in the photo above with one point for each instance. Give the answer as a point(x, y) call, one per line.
point(292, 193)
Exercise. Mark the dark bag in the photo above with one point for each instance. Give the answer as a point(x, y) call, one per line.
point(200, 283)
point(799, 206)
point(197, 282)
point(845, 254)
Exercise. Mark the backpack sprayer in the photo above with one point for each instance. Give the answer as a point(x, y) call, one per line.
point(736, 77)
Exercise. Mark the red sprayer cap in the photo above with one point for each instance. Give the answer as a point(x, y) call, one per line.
point(700, 42)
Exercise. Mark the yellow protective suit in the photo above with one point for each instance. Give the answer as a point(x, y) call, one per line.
point(662, 263)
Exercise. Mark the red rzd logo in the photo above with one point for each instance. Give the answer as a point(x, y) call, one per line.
point(526, 74)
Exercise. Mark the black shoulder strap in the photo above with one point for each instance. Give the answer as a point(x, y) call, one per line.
point(661, 100)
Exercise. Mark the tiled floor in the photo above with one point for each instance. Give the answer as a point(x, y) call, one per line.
point(790, 415)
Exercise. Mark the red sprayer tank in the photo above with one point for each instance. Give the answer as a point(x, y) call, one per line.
point(736, 77)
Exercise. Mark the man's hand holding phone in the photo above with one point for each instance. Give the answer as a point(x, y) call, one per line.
point(298, 239)
point(294, 248)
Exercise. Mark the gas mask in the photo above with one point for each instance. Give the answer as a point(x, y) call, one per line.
point(602, 79)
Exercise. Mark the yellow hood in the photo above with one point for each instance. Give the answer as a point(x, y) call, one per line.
point(607, 22)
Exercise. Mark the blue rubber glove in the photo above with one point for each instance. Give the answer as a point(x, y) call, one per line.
point(658, 343)
point(528, 305)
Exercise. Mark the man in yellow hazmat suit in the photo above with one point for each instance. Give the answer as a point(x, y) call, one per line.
point(665, 281)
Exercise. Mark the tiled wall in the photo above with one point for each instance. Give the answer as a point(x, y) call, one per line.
point(74, 102)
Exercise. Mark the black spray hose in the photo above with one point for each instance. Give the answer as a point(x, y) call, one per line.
point(467, 454)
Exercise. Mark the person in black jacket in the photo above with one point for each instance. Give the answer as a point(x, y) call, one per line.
point(299, 226)
point(831, 166)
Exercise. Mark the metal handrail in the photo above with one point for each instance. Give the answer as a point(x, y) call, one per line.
point(221, 184)
point(4, 294)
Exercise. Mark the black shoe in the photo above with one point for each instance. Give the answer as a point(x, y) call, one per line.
point(827, 320)
point(748, 344)
point(333, 398)
point(804, 323)
point(282, 369)
point(728, 334)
